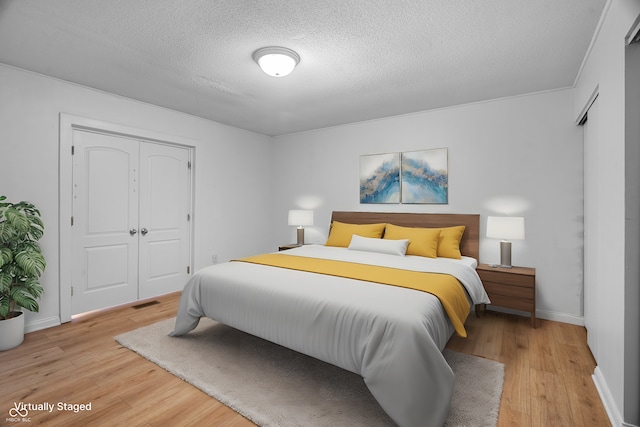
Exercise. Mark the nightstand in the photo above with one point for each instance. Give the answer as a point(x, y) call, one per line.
point(513, 288)
point(289, 246)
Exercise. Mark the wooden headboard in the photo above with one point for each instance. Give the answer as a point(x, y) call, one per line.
point(469, 245)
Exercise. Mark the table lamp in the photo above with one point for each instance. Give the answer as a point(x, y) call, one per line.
point(506, 229)
point(299, 218)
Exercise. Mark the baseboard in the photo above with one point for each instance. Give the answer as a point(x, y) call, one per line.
point(47, 322)
point(615, 418)
point(560, 317)
point(541, 314)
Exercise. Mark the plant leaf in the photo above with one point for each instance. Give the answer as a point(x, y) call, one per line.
point(18, 219)
point(6, 232)
point(37, 227)
point(4, 307)
point(33, 286)
point(23, 299)
point(6, 278)
point(31, 262)
point(30, 247)
point(6, 256)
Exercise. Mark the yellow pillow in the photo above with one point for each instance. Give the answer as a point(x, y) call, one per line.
point(449, 242)
point(422, 241)
point(340, 234)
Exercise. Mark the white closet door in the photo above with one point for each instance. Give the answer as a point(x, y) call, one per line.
point(105, 206)
point(164, 219)
point(131, 207)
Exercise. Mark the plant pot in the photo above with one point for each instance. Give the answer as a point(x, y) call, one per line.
point(12, 331)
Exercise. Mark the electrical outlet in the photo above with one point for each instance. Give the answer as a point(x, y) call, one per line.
point(214, 258)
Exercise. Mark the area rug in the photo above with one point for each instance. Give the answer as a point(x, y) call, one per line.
point(274, 386)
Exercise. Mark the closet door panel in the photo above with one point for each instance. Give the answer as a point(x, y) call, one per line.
point(164, 219)
point(105, 208)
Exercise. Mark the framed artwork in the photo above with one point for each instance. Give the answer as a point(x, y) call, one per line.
point(380, 178)
point(425, 176)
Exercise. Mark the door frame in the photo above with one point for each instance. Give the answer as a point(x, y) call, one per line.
point(69, 123)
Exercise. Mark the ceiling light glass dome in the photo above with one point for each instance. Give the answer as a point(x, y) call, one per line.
point(276, 61)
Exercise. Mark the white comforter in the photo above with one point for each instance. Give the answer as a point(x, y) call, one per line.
point(391, 336)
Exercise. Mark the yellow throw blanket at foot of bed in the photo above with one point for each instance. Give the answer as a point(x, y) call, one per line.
point(444, 286)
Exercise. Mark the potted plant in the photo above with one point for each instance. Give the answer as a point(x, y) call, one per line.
point(21, 264)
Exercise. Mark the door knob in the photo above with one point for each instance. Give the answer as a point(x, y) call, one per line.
point(133, 231)
point(144, 231)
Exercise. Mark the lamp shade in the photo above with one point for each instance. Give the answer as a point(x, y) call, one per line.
point(506, 228)
point(300, 217)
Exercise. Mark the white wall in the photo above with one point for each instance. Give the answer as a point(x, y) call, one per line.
point(232, 168)
point(604, 70)
point(518, 156)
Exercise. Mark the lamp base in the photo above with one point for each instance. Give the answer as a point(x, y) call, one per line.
point(300, 241)
point(505, 254)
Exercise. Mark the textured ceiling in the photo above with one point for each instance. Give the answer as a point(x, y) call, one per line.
point(360, 60)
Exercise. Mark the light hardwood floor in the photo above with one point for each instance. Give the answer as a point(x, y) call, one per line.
point(547, 374)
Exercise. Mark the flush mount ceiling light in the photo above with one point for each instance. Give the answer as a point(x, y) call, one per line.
point(276, 61)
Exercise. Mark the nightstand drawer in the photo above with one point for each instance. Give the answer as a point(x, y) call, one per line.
point(511, 279)
point(509, 290)
point(513, 303)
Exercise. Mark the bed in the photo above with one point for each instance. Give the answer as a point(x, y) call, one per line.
point(391, 335)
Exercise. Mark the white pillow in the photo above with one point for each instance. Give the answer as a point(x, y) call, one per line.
point(383, 246)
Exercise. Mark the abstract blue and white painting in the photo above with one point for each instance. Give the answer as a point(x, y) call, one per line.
point(380, 178)
point(425, 176)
